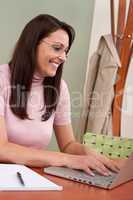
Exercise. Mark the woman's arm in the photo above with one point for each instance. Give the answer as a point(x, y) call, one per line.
point(66, 140)
point(68, 144)
point(14, 153)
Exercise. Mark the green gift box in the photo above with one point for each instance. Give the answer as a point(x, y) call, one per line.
point(111, 146)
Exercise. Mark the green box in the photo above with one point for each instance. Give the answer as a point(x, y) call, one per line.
point(111, 146)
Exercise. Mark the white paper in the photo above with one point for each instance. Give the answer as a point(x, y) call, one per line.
point(33, 181)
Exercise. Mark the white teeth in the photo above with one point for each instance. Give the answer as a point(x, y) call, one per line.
point(55, 65)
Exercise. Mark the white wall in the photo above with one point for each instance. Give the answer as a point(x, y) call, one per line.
point(100, 26)
point(101, 23)
point(127, 106)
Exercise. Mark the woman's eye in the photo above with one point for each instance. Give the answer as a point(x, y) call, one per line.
point(56, 48)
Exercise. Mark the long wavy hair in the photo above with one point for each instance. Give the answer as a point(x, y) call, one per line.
point(23, 63)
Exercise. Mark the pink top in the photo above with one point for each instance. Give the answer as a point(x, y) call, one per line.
point(32, 133)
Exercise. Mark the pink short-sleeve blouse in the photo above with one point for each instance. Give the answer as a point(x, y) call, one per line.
point(32, 132)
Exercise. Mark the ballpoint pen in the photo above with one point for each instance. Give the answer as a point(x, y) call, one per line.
point(19, 175)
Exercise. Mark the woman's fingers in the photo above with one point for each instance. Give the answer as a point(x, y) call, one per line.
point(110, 164)
point(91, 163)
point(95, 161)
point(119, 162)
point(88, 171)
point(102, 164)
point(100, 168)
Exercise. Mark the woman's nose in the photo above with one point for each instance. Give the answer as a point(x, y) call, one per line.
point(63, 56)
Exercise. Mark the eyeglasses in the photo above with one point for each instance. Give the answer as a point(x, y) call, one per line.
point(57, 47)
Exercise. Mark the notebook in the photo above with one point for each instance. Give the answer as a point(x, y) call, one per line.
point(32, 180)
point(108, 182)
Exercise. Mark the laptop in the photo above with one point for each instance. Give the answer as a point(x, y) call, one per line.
point(107, 182)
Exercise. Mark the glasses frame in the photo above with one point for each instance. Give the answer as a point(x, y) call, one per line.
point(55, 45)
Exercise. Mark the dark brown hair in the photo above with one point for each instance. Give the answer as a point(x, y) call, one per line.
point(23, 63)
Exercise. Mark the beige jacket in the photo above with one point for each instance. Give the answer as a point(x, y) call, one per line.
point(99, 88)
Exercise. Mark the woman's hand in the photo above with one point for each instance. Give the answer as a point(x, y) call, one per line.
point(79, 156)
point(120, 162)
point(92, 161)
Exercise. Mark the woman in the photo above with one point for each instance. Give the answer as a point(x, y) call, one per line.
point(34, 99)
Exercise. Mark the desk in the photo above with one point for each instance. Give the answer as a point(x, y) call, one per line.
point(72, 191)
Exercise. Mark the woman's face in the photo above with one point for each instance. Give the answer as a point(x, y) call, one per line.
point(51, 52)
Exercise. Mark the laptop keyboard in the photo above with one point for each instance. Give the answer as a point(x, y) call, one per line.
point(80, 176)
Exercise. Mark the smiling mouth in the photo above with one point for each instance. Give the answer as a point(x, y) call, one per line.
point(55, 65)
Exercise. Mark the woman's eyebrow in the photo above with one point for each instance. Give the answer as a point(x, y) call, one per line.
point(59, 43)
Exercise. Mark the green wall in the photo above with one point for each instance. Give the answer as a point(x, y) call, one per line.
point(15, 14)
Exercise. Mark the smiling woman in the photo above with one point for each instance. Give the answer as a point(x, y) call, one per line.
point(52, 52)
point(34, 99)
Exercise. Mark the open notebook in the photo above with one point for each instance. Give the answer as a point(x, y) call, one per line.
point(108, 182)
point(32, 180)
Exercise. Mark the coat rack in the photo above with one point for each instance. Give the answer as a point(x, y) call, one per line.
point(123, 39)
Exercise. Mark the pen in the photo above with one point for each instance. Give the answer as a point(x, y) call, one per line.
point(19, 175)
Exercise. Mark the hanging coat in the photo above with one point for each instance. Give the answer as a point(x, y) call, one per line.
point(99, 88)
